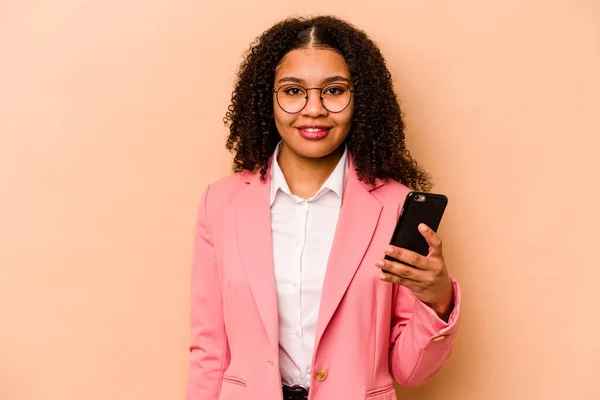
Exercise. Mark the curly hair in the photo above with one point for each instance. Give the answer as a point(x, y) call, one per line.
point(376, 137)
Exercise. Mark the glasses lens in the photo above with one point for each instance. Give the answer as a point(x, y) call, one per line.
point(336, 97)
point(291, 98)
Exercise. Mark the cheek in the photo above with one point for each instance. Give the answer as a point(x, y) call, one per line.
point(282, 119)
point(345, 119)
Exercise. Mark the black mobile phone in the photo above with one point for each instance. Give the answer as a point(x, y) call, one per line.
point(419, 207)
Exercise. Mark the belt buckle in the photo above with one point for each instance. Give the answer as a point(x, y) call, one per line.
point(299, 390)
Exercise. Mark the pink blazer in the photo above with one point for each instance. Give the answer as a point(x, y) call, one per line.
point(368, 331)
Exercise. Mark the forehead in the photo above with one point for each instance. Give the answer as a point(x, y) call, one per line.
point(312, 65)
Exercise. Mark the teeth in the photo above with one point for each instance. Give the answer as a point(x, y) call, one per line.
point(313, 130)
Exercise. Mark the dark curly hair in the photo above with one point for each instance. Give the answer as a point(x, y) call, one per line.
point(376, 137)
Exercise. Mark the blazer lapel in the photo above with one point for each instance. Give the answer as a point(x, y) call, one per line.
point(253, 216)
point(357, 221)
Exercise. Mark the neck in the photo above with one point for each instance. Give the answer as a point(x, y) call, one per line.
point(305, 176)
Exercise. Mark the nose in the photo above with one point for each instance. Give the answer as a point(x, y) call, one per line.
point(314, 106)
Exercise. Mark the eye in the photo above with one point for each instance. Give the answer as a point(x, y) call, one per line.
point(335, 90)
point(293, 91)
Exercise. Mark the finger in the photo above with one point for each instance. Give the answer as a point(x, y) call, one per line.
point(398, 280)
point(406, 256)
point(432, 238)
point(402, 270)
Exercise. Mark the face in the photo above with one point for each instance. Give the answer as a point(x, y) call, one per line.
point(314, 132)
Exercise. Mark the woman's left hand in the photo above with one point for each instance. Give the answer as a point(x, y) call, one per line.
point(427, 277)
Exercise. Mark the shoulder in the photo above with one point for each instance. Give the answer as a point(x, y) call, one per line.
point(387, 191)
point(220, 191)
point(225, 186)
point(391, 192)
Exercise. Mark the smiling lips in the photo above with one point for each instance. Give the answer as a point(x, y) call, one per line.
point(314, 132)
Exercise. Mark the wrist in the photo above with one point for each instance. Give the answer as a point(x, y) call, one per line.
point(445, 308)
point(444, 312)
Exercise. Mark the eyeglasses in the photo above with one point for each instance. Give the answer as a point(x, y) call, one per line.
point(293, 98)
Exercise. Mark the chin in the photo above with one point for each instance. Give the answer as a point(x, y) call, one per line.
point(315, 148)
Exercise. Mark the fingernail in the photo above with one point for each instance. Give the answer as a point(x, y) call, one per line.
point(382, 277)
point(423, 227)
point(379, 263)
point(387, 250)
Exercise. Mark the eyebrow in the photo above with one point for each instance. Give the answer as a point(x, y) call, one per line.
point(331, 79)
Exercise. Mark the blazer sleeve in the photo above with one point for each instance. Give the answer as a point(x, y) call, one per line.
point(420, 342)
point(208, 345)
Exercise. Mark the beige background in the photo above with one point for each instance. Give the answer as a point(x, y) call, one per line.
point(111, 126)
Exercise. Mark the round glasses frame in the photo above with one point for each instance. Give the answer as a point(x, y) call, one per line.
point(276, 91)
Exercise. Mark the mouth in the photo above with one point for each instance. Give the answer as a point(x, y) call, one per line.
point(314, 132)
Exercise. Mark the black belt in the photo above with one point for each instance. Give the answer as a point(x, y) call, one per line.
point(296, 392)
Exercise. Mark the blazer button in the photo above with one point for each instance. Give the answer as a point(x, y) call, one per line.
point(321, 375)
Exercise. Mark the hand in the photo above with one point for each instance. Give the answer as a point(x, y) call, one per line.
point(427, 277)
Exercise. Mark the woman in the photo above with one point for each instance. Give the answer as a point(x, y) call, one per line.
point(291, 295)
